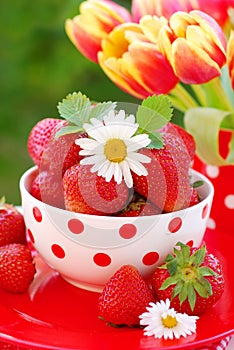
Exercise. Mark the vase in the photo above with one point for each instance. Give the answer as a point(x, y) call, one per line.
point(222, 177)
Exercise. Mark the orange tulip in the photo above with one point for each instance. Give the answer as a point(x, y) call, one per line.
point(97, 18)
point(193, 43)
point(230, 57)
point(134, 63)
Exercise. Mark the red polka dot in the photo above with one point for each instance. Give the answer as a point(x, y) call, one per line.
point(75, 226)
point(205, 211)
point(30, 235)
point(175, 224)
point(150, 258)
point(190, 243)
point(128, 231)
point(58, 251)
point(37, 214)
point(102, 259)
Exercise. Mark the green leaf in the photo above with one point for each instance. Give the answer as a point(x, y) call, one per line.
point(156, 140)
point(102, 109)
point(204, 124)
point(191, 295)
point(183, 293)
point(185, 251)
point(75, 108)
point(206, 285)
point(168, 282)
point(177, 289)
point(206, 271)
point(200, 289)
point(172, 267)
point(153, 114)
point(70, 129)
point(198, 256)
point(197, 184)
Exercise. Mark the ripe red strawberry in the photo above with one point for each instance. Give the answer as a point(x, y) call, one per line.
point(167, 184)
point(12, 226)
point(16, 268)
point(192, 279)
point(39, 138)
point(194, 197)
point(86, 192)
point(139, 207)
point(50, 153)
point(61, 152)
point(186, 138)
point(124, 297)
point(47, 187)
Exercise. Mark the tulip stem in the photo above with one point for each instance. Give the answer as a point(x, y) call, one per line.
point(181, 99)
point(200, 94)
point(216, 96)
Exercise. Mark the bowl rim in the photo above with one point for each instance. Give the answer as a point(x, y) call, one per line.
point(33, 169)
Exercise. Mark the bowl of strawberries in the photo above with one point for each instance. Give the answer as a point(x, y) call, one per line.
point(110, 188)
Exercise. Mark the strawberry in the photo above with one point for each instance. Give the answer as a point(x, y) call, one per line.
point(167, 184)
point(86, 192)
point(12, 226)
point(194, 197)
point(61, 152)
point(124, 297)
point(139, 206)
point(16, 268)
point(51, 153)
point(39, 138)
point(184, 136)
point(192, 279)
point(47, 187)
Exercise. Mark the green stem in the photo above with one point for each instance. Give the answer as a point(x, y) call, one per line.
point(200, 94)
point(216, 96)
point(181, 98)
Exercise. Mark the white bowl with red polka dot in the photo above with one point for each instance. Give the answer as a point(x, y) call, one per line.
point(87, 249)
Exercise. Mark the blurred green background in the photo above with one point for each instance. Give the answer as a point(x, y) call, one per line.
point(39, 67)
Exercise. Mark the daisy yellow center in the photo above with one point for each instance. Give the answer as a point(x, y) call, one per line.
point(115, 150)
point(169, 321)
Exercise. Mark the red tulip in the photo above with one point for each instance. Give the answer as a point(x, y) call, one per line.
point(134, 63)
point(97, 18)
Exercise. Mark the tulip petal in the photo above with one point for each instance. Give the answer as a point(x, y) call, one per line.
point(191, 64)
point(198, 37)
point(230, 57)
point(156, 72)
point(96, 20)
point(87, 44)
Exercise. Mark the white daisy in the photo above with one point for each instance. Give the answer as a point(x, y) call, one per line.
point(112, 148)
point(161, 321)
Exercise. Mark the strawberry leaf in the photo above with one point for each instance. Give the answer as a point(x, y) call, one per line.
point(168, 282)
point(191, 295)
point(101, 109)
point(183, 293)
point(198, 256)
point(70, 129)
point(153, 114)
point(206, 271)
point(75, 108)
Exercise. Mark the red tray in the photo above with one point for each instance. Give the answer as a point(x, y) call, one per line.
point(56, 315)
